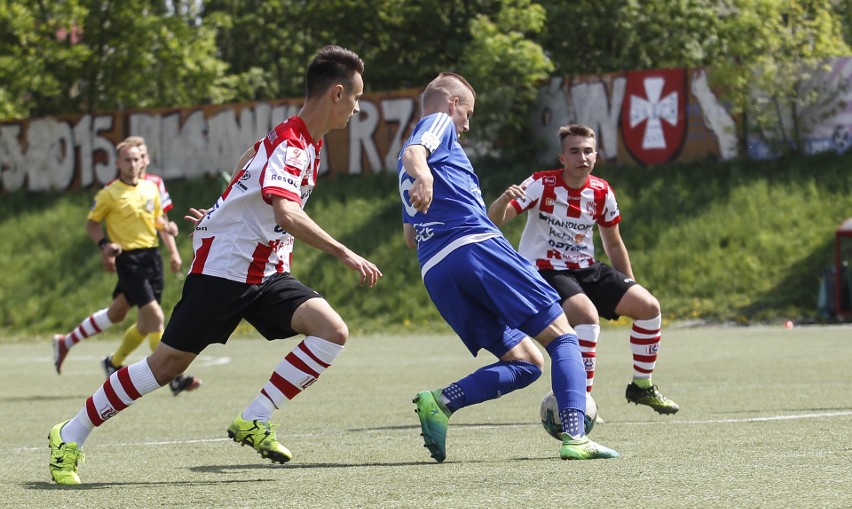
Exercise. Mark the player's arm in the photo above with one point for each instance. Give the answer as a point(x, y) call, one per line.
point(416, 164)
point(615, 250)
point(290, 216)
point(409, 233)
point(248, 154)
point(501, 211)
point(109, 250)
point(168, 239)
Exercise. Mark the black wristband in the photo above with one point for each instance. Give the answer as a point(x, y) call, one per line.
point(103, 242)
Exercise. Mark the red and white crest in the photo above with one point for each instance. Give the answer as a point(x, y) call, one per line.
point(653, 115)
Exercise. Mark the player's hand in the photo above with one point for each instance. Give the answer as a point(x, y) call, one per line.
point(195, 216)
point(175, 262)
point(109, 263)
point(513, 192)
point(420, 193)
point(108, 254)
point(171, 228)
point(370, 274)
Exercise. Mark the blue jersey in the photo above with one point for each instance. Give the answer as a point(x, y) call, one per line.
point(457, 215)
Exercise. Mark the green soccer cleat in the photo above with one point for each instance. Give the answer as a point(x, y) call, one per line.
point(584, 449)
point(650, 397)
point(261, 436)
point(64, 457)
point(434, 418)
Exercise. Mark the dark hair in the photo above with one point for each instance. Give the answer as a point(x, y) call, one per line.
point(332, 65)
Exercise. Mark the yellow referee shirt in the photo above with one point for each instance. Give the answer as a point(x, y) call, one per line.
point(130, 213)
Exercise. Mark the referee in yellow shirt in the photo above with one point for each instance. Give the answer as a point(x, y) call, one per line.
point(131, 210)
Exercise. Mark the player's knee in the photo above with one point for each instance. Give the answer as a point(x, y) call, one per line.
point(116, 315)
point(581, 310)
point(651, 308)
point(337, 333)
point(526, 372)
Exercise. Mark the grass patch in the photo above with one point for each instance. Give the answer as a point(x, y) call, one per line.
point(739, 435)
point(742, 242)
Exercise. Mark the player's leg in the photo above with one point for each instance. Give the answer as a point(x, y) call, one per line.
point(640, 305)
point(150, 319)
point(195, 323)
point(517, 368)
point(134, 289)
point(150, 324)
point(94, 324)
point(131, 339)
point(120, 390)
point(582, 315)
point(286, 308)
point(569, 387)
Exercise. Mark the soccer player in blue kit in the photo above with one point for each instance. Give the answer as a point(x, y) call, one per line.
point(492, 297)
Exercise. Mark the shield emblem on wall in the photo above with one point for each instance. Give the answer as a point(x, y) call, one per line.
point(653, 115)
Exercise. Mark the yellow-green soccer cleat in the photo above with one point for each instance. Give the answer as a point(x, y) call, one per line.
point(434, 419)
point(650, 397)
point(584, 449)
point(64, 457)
point(261, 436)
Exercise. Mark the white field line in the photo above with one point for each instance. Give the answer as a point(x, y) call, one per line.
point(818, 415)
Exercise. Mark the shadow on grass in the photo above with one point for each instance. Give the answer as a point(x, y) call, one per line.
point(467, 425)
point(33, 398)
point(103, 485)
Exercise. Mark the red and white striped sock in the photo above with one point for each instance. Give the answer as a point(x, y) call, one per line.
point(588, 335)
point(299, 369)
point(120, 390)
point(645, 344)
point(95, 323)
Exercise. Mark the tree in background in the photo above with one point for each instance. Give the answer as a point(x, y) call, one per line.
point(39, 50)
point(404, 43)
point(506, 66)
point(85, 56)
point(773, 51)
point(584, 38)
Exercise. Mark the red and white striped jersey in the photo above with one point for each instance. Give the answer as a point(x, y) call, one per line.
point(239, 239)
point(165, 198)
point(559, 233)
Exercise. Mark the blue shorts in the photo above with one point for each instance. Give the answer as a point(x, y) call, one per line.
point(491, 296)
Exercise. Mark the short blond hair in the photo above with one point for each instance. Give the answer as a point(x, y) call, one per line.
point(130, 141)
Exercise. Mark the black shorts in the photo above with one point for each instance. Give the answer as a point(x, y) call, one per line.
point(210, 308)
point(603, 285)
point(140, 276)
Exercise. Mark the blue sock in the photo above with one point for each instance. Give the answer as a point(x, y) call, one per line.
point(568, 377)
point(573, 422)
point(491, 382)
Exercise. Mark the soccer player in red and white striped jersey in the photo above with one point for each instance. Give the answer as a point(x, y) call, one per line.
point(563, 207)
point(240, 270)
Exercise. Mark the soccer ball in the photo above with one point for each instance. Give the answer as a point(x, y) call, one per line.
point(550, 415)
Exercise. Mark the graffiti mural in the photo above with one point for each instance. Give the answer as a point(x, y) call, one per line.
point(646, 118)
point(54, 154)
point(672, 115)
point(640, 117)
